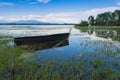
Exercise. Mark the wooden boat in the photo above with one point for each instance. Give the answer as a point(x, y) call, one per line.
point(40, 39)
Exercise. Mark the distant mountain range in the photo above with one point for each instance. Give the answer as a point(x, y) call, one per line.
point(31, 22)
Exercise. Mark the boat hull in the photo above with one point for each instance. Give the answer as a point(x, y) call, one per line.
point(40, 39)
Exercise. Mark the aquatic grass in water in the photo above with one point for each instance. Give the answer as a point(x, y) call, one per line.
point(106, 74)
point(97, 62)
point(50, 69)
point(9, 60)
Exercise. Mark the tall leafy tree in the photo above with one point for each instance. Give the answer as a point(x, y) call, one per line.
point(83, 23)
point(117, 16)
point(91, 20)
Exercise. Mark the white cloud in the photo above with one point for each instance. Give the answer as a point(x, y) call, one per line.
point(39, 1)
point(6, 4)
point(1, 17)
point(33, 3)
point(64, 17)
point(44, 1)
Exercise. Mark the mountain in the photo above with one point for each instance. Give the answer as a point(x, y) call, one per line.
point(23, 22)
point(31, 22)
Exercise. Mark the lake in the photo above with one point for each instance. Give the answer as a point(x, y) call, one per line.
point(81, 41)
point(84, 40)
point(89, 46)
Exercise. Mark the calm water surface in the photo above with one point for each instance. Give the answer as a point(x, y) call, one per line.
point(82, 44)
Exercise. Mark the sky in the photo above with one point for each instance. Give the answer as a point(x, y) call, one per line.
point(59, 11)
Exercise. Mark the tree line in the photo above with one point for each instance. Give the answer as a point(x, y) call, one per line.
point(104, 19)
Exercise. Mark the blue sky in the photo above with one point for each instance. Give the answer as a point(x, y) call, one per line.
point(54, 10)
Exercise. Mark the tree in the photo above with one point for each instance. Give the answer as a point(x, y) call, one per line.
point(91, 20)
point(117, 17)
point(104, 18)
point(83, 23)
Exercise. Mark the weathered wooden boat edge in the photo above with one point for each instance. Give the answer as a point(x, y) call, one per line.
point(40, 39)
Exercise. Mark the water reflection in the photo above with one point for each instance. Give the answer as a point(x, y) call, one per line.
point(46, 45)
point(113, 33)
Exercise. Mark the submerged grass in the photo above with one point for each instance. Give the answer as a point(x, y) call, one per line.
point(13, 67)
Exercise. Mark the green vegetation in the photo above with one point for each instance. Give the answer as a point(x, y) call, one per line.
point(97, 63)
point(108, 18)
point(83, 24)
point(105, 74)
point(5, 37)
point(91, 20)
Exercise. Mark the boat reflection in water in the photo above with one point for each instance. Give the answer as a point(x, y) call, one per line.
point(45, 45)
